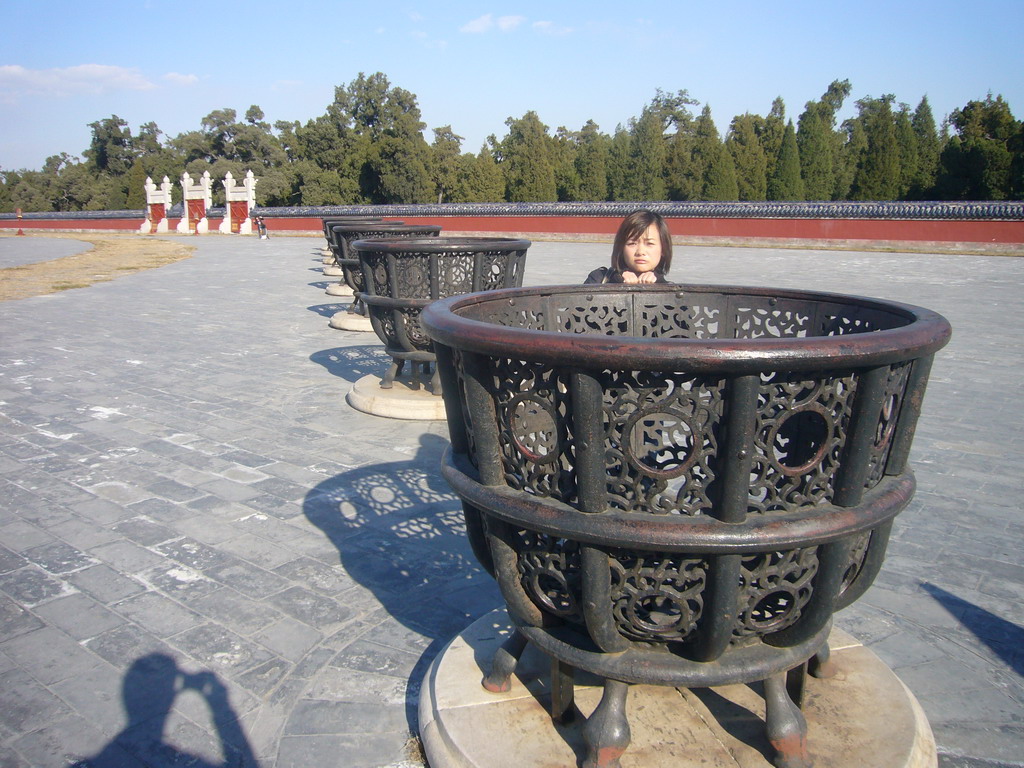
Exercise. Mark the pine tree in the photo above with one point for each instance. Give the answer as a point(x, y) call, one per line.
point(786, 182)
point(906, 144)
point(850, 157)
point(820, 143)
point(592, 163)
point(720, 176)
point(135, 198)
point(526, 161)
point(980, 165)
point(480, 179)
point(444, 162)
point(619, 165)
point(878, 176)
point(748, 156)
point(564, 148)
point(705, 155)
point(928, 150)
point(645, 177)
point(770, 134)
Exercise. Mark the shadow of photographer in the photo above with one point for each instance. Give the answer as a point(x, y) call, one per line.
point(150, 688)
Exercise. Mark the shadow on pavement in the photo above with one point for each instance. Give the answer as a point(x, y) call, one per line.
point(352, 363)
point(1004, 638)
point(148, 692)
point(399, 532)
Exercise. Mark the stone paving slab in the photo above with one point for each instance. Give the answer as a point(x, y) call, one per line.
point(17, 251)
point(206, 555)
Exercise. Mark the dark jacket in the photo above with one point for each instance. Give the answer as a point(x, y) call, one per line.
point(609, 275)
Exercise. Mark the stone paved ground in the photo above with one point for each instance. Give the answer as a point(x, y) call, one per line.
point(207, 558)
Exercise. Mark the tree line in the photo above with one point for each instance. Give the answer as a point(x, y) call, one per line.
point(369, 147)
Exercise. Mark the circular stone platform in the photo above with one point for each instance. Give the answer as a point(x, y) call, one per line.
point(350, 321)
point(330, 270)
point(338, 289)
point(399, 402)
point(863, 716)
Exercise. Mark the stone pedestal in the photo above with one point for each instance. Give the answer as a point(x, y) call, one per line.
point(350, 321)
point(863, 716)
point(339, 289)
point(399, 402)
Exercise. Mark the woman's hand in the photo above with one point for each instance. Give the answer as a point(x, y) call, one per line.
point(643, 277)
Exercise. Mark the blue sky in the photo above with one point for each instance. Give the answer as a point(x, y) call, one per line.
point(474, 64)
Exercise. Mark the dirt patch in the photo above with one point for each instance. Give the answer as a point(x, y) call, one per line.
point(111, 256)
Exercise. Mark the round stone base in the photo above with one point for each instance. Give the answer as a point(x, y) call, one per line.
point(399, 402)
point(330, 270)
point(338, 289)
point(862, 716)
point(350, 321)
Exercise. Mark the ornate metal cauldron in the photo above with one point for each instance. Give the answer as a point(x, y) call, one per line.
point(679, 485)
point(402, 276)
point(344, 234)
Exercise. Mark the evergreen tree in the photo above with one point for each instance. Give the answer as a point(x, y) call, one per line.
point(928, 150)
point(705, 155)
point(977, 166)
point(110, 151)
point(815, 159)
point(770, 133)
point(645, 175)
point(820, 143)
point(878, 176)
point(564, 148)
point(720, 176)
point(786, 182)
point(592, 163)
point(906, 144)
point(619, 164)
point(136, 187)
point(526, 161)
point(850, 157)
point(480, 179)
point(444, 162)
point(748, 156)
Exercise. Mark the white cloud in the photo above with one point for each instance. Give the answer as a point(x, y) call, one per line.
point(478, 26)
point(92, 79)
point(508, 23)
point(487, 22)
point(548, 28)
point(179, 79)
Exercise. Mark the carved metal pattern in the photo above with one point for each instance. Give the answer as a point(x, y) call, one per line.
point(677, 319)
point(774, 588)
point(855, 563)
point(549, 570)
point(892, 401)
point(656, 597)
point(661, 441)
point(801, 429)
point(764, 319)
point(534, 434)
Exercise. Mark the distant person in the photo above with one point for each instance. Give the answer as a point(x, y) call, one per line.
point(641, 252)
point(261, 227)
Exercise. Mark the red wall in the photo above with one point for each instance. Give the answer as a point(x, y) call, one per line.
point(812, 229)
